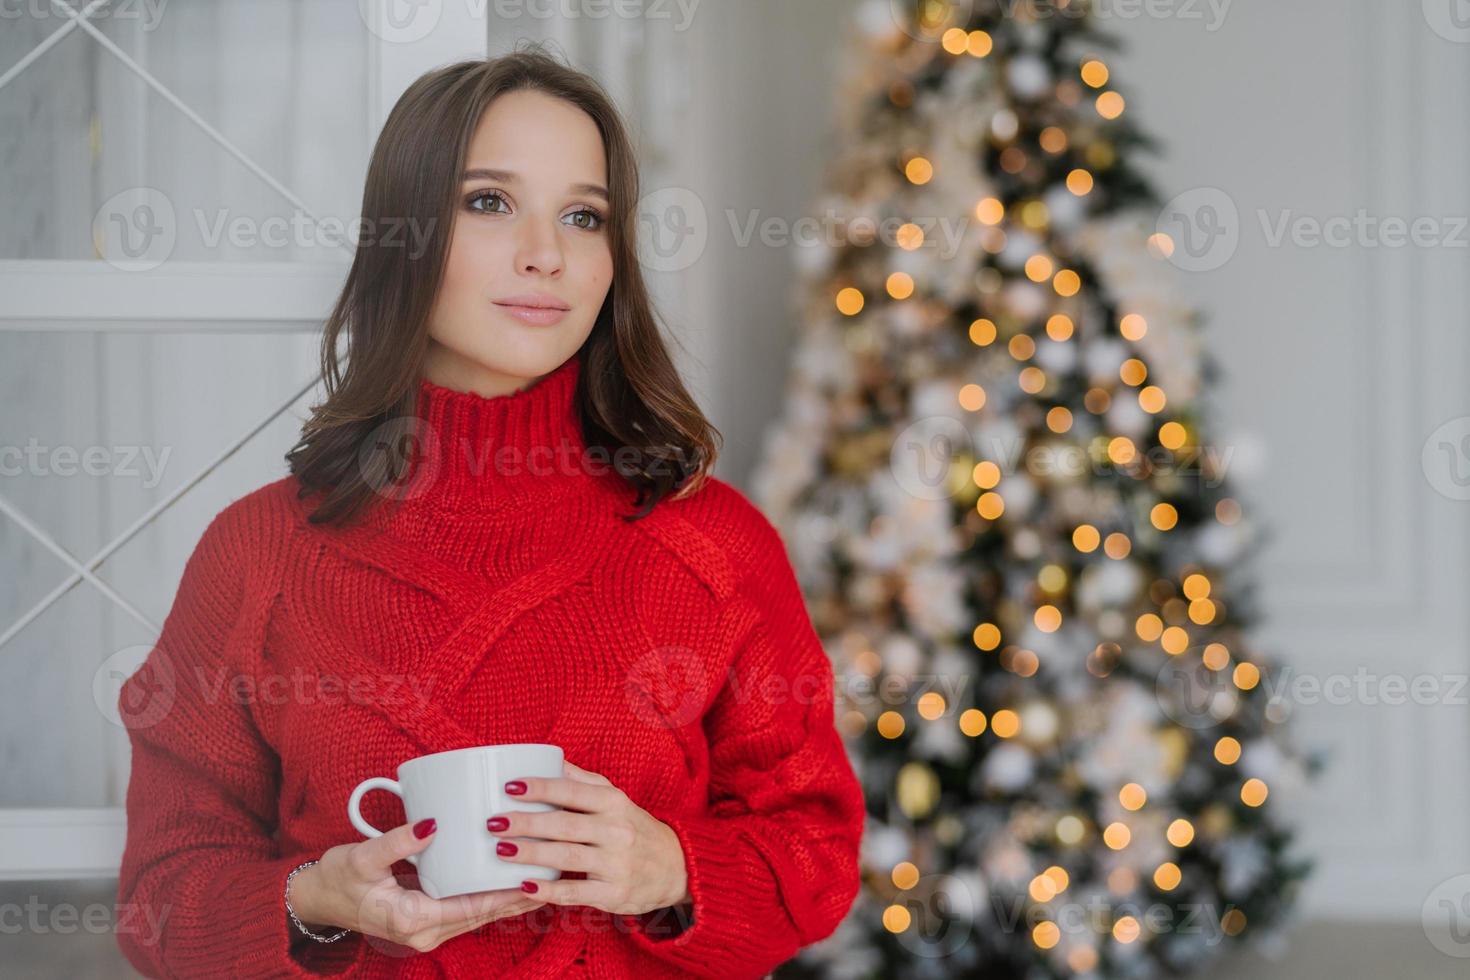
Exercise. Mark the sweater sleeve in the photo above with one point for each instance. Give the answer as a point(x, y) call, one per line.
point(773, 862)
point(202, 881)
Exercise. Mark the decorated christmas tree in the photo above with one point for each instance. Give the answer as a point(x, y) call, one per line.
point(994, 476)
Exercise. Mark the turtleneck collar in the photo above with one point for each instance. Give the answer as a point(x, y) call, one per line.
point(482, 453)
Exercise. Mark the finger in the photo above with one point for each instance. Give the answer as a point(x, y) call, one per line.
point(457, 913)
point(576, 891)
point(573, 794)
point(562, 825)
point(479, 906)
point(559, 855)
point(525, 903)
point(584, 775)
point(380, 853)
point(407, 913)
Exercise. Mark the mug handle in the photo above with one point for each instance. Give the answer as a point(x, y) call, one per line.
point(354, 813)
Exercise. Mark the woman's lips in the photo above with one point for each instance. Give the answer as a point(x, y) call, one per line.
point(539, 316)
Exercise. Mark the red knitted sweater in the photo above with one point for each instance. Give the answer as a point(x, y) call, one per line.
point(505, 600)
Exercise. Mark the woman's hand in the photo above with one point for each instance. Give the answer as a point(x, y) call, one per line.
point(634, 862)
point(353, 887)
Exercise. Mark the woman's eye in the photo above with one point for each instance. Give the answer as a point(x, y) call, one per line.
point(585, 218)
point(594, 220)
point(475, 199)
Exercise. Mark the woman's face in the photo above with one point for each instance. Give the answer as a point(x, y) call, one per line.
point(528, 228)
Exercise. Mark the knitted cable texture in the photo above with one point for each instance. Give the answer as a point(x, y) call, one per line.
point(503, 599)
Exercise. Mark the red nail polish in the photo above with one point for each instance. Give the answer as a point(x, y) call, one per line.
point(516, 787)
point(424, 828)
point(528, 886)
point(506, 848)
point(497, 823)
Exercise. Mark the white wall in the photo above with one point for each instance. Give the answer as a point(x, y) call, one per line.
point(1342, 361)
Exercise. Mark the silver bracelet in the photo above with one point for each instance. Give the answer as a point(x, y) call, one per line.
point(292, 912)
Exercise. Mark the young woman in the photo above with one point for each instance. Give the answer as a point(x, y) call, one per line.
point(500, 527)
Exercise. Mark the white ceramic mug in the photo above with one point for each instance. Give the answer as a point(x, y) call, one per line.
point(461, 789)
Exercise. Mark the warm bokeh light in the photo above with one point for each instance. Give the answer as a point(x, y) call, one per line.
point(1005, 723)
point(987, 636)
point(1172, 435)
point(1246, 676)
point(918, 170)
point(1110, 105)
point(990, 211)
point(972, 398)
point(1048, 619)
point(1216, 656)
point(1117, 836)
point(930, 705)
point(982, 332)
point(849, 301)
point(1095, 73)
point(1151, 399)
point(890, 724)
point(1126, 929)
point(1253, 792)
point(1149, 627)
point(896, 918)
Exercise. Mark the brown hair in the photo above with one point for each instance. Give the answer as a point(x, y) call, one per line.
point(629, 395)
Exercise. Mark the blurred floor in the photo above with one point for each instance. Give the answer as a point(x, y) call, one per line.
point(70, 944)
point(60, 929)
point(1349, 951)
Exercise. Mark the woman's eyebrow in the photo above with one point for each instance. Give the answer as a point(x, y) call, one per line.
point(507, 177)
